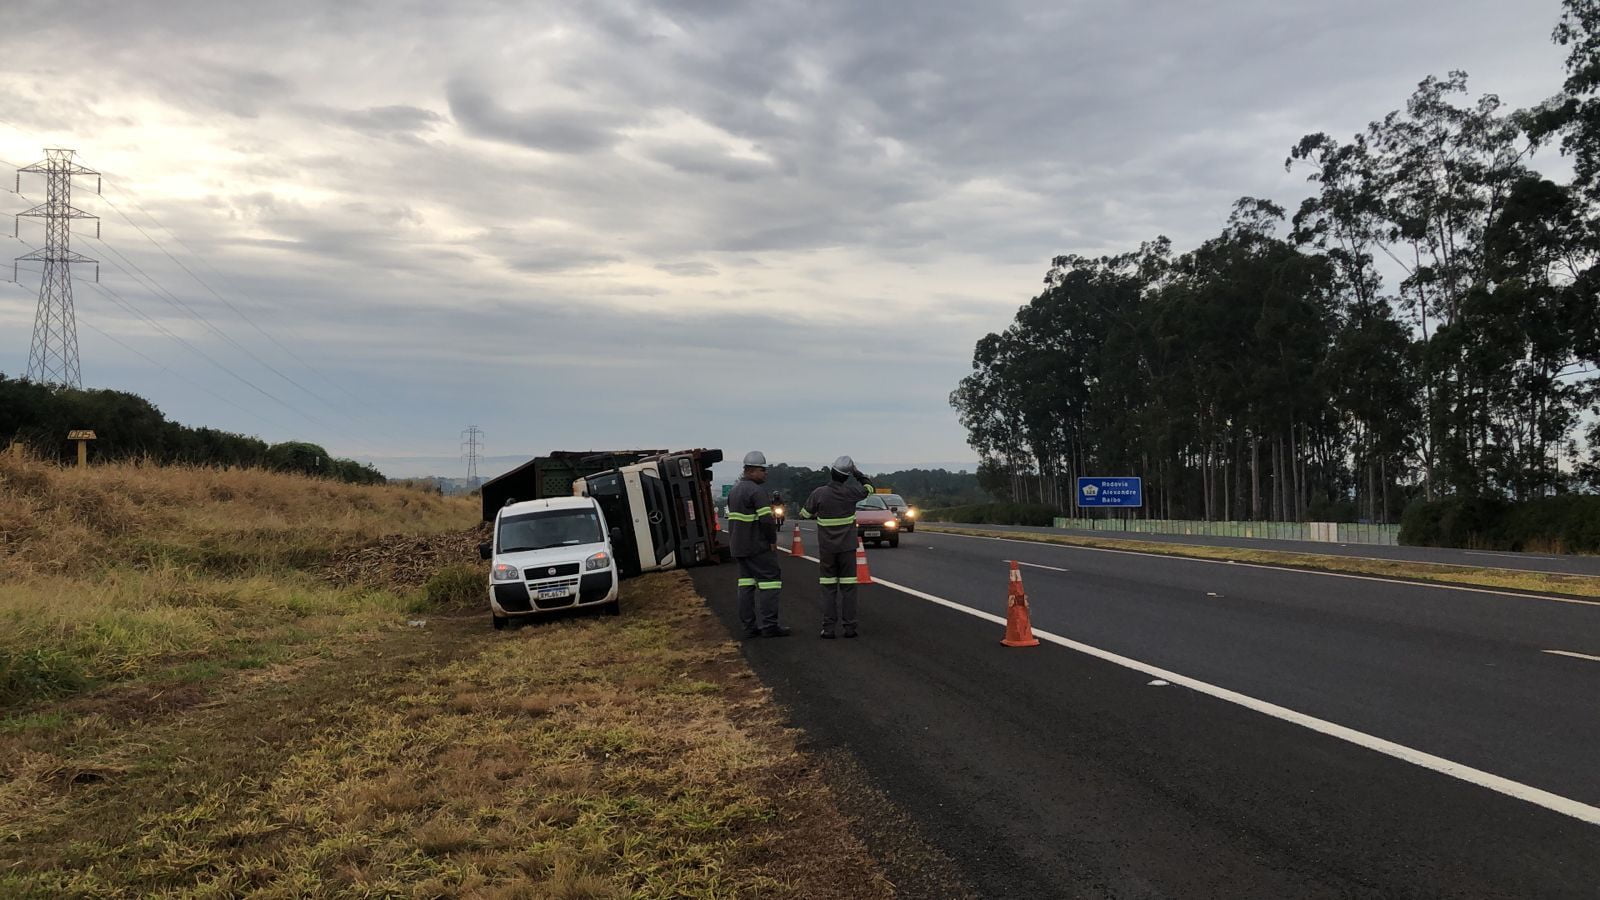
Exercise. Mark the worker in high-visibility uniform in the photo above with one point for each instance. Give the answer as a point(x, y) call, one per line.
point(834, 507)
point(753, 534)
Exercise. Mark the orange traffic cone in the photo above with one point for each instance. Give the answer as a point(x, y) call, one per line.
point(863, 574)
point(798, 548)
point(1019, 630)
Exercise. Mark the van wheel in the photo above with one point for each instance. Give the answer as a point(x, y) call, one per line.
point(500, 622)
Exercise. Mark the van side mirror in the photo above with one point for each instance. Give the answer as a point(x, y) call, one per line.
point(485, 551)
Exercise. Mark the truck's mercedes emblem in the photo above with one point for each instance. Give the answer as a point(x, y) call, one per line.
point(552, 571)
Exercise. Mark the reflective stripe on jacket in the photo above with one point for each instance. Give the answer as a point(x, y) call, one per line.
point(751, 528)
point(833, 506)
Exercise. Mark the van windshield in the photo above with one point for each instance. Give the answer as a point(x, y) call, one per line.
point(549, 528)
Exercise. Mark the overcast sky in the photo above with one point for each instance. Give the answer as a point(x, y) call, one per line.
point(617, 224)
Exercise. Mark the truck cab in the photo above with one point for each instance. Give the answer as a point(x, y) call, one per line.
point(663, 508)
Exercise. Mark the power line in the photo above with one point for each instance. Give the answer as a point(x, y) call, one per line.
point(114, 183)
point(160, 290)
point(130, 307)
point(195, 384)
point(241, 313)
point(151, 284)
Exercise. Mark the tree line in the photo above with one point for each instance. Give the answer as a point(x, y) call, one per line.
point(1423, 326)
point(127, 426)
point(924, 488)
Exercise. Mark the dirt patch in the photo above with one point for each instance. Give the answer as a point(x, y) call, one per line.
point(139, 702)
point(404, 565)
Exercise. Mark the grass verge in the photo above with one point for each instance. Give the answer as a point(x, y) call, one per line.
point(139, 573)
point(587, 757)
point(1581, 586)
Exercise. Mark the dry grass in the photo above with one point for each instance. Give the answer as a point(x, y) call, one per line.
point(593, 757)
point(133, 571)
point(1508, 579)
point(56, 521)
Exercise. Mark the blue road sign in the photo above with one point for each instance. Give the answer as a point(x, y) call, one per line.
point(1111, 492)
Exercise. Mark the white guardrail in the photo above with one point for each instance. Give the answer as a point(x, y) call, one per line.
point(1327, 532)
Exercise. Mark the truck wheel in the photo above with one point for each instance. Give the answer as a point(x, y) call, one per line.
point(499, 621)
point(614, 608)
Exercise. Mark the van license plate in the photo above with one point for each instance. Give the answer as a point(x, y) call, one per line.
point(550, 593)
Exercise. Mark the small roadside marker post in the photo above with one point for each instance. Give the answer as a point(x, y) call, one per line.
point(83, 436)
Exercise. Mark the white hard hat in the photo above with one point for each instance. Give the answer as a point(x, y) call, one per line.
point(755, 458)
point(844, 464)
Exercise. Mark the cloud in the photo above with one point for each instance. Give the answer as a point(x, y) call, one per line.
point(513, 213)
point(556, 129)
point(701, 159)
point(396, 119)
point(688, 269)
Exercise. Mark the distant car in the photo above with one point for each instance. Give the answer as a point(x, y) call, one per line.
point(550, 555)
point(903, 512)
point(876, 523)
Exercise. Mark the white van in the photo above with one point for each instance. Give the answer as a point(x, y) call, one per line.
point(550, 555)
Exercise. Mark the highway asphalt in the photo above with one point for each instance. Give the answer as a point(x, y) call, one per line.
point(1049, 771)
point(1490, 559)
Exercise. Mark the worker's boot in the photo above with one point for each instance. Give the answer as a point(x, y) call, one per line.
point(827, 634)
point(776, 631)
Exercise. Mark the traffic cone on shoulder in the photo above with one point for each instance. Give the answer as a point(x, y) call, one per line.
point(1019, 629)
point(863, 574)
point(798, 547)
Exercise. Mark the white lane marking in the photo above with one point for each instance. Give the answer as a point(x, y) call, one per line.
point(1553, 802)
point(1037, 566)
point(1573, 655)
point(1159, 683)
point(1212, 594)
point(1512, 555)
point(1230, 562)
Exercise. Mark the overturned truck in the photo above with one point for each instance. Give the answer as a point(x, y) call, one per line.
point(657, 504)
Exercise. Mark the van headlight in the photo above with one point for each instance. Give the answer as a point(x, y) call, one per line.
point(911, 513)
point(601, 560)
point(503, 572)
